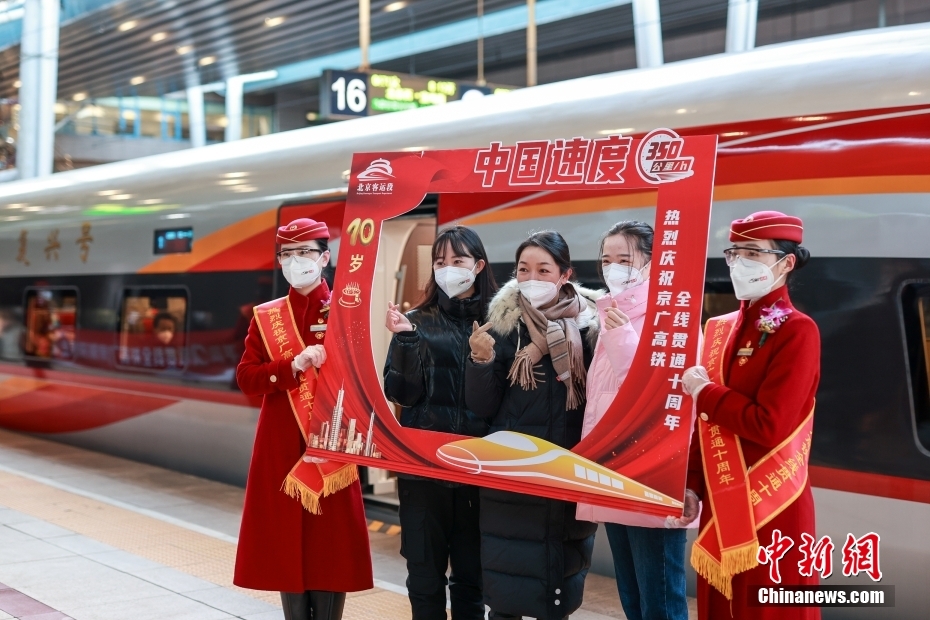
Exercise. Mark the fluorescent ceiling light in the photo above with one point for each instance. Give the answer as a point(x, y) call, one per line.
point(108, 192)
point(151, 201)
point(235, 175)
point(79, 96)
point(184, 49)
point(121, 197)
point(395, 6)
point(17, 83)
point(231, 181)
point(271, 22)
point(128, 25)
point(137, 80)
point(206, 60)
point(159, 36)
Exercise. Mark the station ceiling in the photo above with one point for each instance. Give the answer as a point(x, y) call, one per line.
point(152, 47)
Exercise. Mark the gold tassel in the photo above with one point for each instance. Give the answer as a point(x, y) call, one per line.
point(339, 479)
point(741, 559)
point(709, 569)
point(301, 492)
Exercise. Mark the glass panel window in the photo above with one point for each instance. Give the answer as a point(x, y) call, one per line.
point(51, 319)
point(153, 328)
point(915, 300)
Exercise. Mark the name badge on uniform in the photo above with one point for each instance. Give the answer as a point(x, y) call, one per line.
point(322, 328)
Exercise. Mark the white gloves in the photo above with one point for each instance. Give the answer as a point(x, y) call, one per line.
point(694, 379)
point(689, 514)
point(314, 355)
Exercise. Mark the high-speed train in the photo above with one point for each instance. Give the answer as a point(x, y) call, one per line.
point(126, 289)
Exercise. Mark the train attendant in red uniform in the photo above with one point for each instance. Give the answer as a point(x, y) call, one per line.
point(312, 559)
point(755, 396)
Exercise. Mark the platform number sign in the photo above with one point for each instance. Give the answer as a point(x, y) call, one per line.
point(344, 93)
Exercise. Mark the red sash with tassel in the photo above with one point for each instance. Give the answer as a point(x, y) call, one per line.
point(307, 481)
point(742, 499)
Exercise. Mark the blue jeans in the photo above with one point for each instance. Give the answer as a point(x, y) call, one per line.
point(650, 568)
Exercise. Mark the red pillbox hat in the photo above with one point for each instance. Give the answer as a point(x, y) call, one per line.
point(767, 225)
point(302, 229)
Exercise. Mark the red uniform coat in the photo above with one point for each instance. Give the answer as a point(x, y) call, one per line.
point(282, 546)
point(764, 400)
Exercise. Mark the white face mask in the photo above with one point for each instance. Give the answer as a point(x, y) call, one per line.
point(300, 272)
point(538, 292)
point(454, 280)
point(622, 277)
point(752, 279)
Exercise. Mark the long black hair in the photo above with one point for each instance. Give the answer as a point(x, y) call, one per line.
point(801, 255)
point(639, 234)
point(464, 242)
point(550, 241)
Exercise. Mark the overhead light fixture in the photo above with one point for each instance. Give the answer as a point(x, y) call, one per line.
point(206, 60)
point(175, 216)
point(17, 83)
point(120, 196)
point(14, 218)
point(108, 192)
point(312, 116)
point(607, 132)
point(913, 93)
point(151, 201)
point(79, 96)
point(681, 111)
point(159, 36)
point(235, 175)
point(243, 188)
point(271, 22)
point(128, 25)
point(32, 209)
point(184, 49)
point(395, 6)
point(231, 182)
point(16, 205)
point(810, 118)
point(137, 80)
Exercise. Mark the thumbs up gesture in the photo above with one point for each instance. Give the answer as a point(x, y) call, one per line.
point(481, 343)
point(613, 317)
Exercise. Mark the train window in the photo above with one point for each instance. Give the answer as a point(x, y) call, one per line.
point(153, 328)
point(12, 332)
point(718, 299)
point(916, 313)
point(50, 322)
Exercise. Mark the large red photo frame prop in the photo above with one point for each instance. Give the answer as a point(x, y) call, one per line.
point(643, 439)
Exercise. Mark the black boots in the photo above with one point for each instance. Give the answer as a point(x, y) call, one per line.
point(313, 605)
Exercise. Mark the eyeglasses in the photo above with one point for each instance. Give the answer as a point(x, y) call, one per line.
point(284, 255)
point(731, 254)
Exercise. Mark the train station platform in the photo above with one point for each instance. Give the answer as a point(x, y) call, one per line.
point(89, 536)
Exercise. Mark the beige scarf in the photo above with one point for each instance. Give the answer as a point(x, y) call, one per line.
point(554, 332)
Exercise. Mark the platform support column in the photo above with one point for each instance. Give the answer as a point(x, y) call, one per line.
point(741, 25)
point(647, 33)
point(39, 76)
point(196, 121)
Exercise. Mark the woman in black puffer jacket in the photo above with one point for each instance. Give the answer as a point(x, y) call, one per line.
point(425, 375)
point(526, 374)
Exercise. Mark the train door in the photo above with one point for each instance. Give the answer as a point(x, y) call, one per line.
point(403, 268)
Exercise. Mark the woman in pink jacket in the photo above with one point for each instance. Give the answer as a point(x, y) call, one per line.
point(649, 557)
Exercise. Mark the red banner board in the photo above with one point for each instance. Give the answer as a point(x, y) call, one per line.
point(636, 457)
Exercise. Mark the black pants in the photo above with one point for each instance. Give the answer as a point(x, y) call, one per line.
point(439, 529)
point(313, 605)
